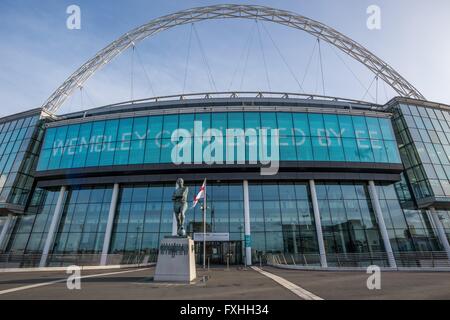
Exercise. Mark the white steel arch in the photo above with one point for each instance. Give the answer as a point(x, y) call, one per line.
point(232, 11)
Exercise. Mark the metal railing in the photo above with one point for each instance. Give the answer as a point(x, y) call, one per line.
point(244, 94)
point(344, 103)
point(430, 259)
point(19, 260)
point(414, 260)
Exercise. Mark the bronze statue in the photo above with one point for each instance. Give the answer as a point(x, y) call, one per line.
point(180, 205)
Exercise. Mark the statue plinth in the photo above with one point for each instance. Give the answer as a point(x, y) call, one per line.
point(176, 260)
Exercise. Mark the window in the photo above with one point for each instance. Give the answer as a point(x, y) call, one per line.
point(147, 140)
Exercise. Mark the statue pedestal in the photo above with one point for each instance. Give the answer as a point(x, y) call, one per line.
point(176, 260)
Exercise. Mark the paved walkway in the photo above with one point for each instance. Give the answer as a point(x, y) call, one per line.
point(233, 284)
point(353, 285)
point(299, 291)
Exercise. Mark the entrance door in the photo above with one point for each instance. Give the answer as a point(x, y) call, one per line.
point(215, 252)
point(233, 252)
point(219, 252)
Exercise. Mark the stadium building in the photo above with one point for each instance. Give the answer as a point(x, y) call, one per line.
point(317, 181)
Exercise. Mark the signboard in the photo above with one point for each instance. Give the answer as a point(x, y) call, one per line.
point(248, 241)
point(182, 139)
point(212, 236)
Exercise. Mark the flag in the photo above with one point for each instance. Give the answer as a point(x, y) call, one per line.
point(200, 195)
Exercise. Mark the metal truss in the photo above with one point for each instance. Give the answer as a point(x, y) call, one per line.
point(231, 11)
point(244, 94)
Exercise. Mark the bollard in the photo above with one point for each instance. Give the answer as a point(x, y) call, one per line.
point(228, 262)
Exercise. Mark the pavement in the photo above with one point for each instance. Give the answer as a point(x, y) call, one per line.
point(351, 285)
point(221, 284)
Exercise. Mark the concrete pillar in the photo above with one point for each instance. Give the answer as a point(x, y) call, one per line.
point(109, 224)
point(53, 227)
point(247, 232)
point(318, 221)
point(294, 238)
point(379, 214)
point(440, 230)
point(3, 235)
point(341, 237)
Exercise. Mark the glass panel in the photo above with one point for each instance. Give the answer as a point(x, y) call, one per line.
point(316, 125)
point(170, 125)
point(301, 124)
point(360, 126)
point(111, 127)
point(132, 141)
point(285, 124)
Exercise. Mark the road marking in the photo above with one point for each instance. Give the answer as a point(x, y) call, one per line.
point(37, 285)
point(299, 291)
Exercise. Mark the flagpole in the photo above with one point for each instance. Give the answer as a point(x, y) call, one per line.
point(204, 227)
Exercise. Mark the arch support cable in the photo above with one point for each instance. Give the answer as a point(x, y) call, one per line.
point(284, 60)
point(321, 66)
point(205, 60)
point(263, 56)
point(132, 72)
point(188, 56)
point(229, 11)
point(140, 61)
point(243, 55)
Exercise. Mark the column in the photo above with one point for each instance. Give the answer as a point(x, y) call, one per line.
point(109, 224)
point(53, 227)
point(6, 227)
point(294, 238)
point(318, 221)
point(384, 234)
point(247, 233)
point(440, 230)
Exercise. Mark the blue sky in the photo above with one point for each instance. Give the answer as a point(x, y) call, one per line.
point(38, 52)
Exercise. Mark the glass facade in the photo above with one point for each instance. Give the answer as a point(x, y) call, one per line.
point(348, 221)
point(408, 229)
point(2, 223)
point(145, 215)
point(423, 134)
point(281, 213)
point(444, 216)
point(83, 223)
point(19, 147)
point(281, 219)
point(148, 140)
point(30, 230)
